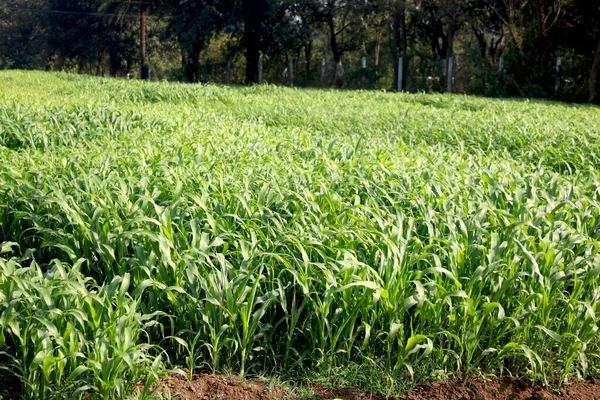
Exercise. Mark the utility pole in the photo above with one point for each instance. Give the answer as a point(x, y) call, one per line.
point(143, 64)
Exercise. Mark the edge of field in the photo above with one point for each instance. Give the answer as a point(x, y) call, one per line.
point(230, 387)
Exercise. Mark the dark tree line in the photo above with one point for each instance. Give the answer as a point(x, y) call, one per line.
point(541, 48)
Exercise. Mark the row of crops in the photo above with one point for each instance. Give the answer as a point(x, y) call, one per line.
point(266, 230)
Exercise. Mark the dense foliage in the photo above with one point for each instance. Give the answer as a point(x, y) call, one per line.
point(527, 48)
point(268, 230)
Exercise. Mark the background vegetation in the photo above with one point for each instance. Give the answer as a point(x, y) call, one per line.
point(497, 47)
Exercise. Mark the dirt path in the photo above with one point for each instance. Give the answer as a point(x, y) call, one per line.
point(217, 387)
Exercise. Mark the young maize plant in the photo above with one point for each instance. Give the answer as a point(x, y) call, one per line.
point(266, 230)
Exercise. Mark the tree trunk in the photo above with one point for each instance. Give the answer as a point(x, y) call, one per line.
point(184, 60)
point(337, 53)
point(308, 56)
point(143, 64)
point(395, 47)
point(251, 38)
point(481, 39)
point(100, 67)
point(291, 71)
point(403, 28)
point(594, 76)
point(191, 65)
point(399, 41)
point(297, 59)
point(196, 50)
point(252, 57)
point(49, 62)
point(437, 33)
point(377, 48)
point(542, 34)
point(404, 42)
point(114, 61)
point(496, 48)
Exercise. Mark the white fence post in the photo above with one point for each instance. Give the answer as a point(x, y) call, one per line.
point(400, 73)
point(339, 70)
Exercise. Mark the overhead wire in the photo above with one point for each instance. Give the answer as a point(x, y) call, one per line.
point(96, 14)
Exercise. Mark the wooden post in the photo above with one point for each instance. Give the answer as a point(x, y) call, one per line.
point(400, 73)
point(500, 65)
point(364, 62)
point(260, 70)
point(322, 70)
point(291, 71)
point(143, 65)
point(228, 77)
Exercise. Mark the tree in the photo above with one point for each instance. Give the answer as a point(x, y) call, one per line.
point(144, 72)
point(193, 22)
point(579, 33)
point(438, 21)
point(23, 34)
point(255, 14)
point(294, 24)
point(118, 14)
point(594, 80)
point(486, 23)
point(346, 23)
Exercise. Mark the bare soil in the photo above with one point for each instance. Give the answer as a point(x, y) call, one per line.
point(504, 390)
point(218, 387)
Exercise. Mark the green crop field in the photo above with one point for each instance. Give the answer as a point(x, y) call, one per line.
point(268, 231)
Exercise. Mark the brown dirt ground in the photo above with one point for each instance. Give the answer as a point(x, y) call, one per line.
point(504, 390)
point(218, 387)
